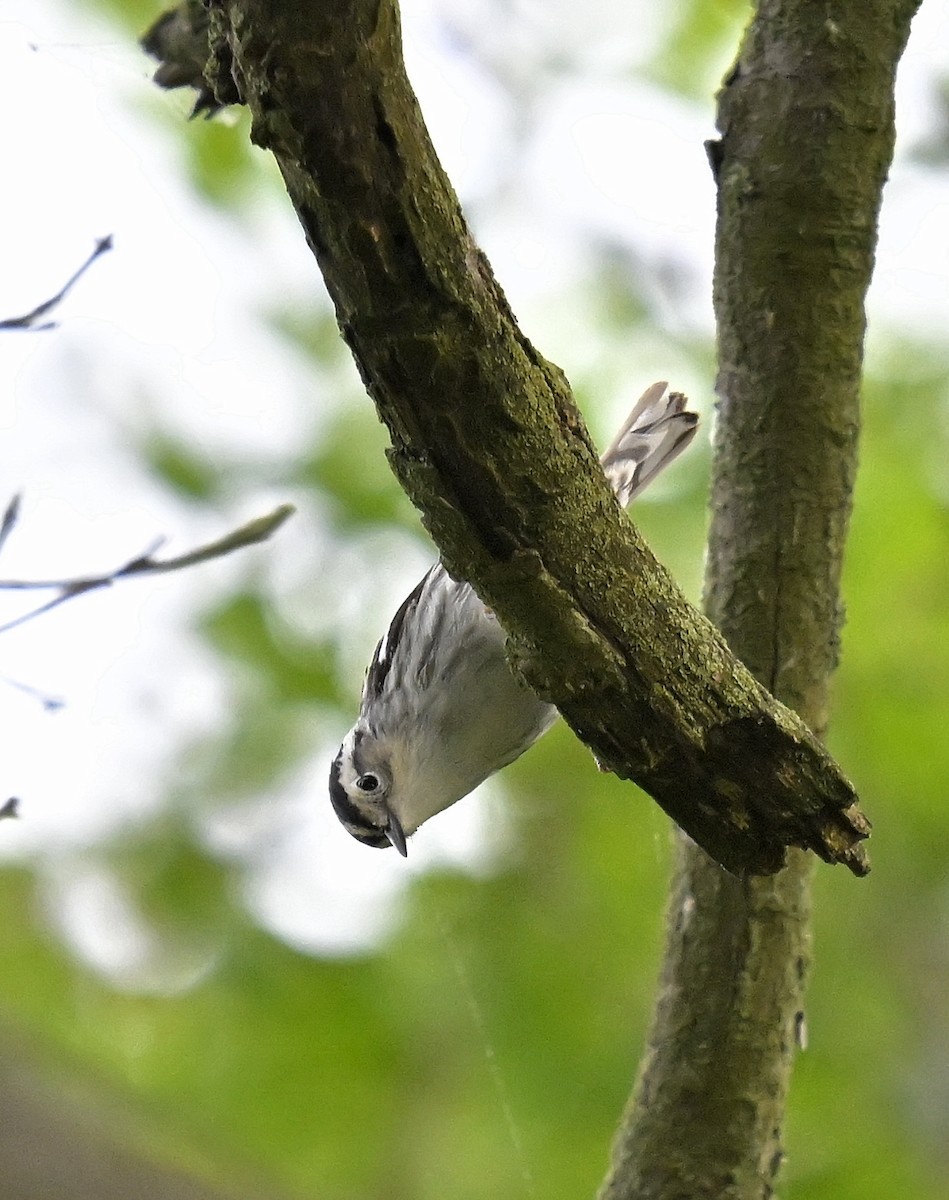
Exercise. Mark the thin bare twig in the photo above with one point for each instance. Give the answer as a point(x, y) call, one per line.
point(49, 702)
point(250, 534)
point(29, 320)
point(10, 518)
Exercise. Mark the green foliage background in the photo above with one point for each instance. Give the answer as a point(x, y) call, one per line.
point(487, 1047)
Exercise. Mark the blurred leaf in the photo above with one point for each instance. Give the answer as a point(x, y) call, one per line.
point(249, 758)
point(174, 881)
point(133, 15)
point(701, 46)
point(244, 628)
point(221, 161)
point(313, 330)
point(180, 465)
point(350, 466)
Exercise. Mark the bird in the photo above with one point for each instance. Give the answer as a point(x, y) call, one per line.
point(441, 709)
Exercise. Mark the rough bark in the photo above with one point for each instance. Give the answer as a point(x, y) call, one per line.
point(488, 443)
point(806, 119)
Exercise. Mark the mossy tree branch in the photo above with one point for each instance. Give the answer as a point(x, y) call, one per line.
point(806, 119)
point(487, 442)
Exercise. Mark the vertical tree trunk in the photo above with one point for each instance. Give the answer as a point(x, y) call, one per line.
point(806, 123)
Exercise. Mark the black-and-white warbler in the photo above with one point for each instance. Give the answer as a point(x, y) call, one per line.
point(441, 709)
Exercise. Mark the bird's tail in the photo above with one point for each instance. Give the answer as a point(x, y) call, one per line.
point(657, 430)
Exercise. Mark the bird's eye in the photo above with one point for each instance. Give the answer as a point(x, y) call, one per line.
point(368, 783)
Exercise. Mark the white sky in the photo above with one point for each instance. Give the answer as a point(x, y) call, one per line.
point(166, 327)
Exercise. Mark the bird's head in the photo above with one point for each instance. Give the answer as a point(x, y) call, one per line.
point(362, 792)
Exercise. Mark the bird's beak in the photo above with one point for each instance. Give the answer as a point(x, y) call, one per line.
point(395, 834)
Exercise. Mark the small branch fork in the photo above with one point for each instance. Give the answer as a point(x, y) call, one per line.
point(250, 534)
point(255, 531)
